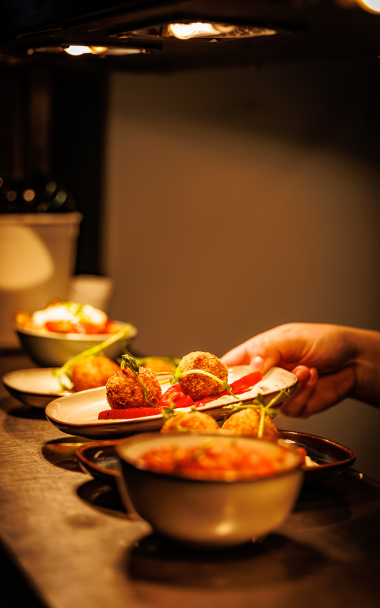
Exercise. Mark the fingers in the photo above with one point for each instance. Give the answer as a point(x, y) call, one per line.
point(319, 392)
point(297, 404)
point(258, 353)
point(237, 356)
point(303, 374)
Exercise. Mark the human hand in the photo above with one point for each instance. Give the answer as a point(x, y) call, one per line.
point(322, 356)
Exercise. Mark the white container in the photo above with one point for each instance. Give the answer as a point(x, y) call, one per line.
point(37, 258)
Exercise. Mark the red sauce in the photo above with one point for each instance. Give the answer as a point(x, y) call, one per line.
point(246, 383)
point(129, 413)
point(175, 395)
point(215, 461)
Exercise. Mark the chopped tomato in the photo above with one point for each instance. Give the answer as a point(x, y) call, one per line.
point(175, 395)
point(65, 326)
point(246, 382)
point(129, 413)
point(61, 327)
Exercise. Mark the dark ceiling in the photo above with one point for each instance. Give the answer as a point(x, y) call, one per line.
point(307, 30)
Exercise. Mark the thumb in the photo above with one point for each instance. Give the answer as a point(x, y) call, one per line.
point(256, 352)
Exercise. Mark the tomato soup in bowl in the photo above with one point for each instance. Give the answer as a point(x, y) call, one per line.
point(209, 489)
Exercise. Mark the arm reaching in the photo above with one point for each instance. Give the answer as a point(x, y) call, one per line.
point(331, 361)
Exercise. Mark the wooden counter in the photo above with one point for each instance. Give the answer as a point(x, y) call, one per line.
point(75, 546)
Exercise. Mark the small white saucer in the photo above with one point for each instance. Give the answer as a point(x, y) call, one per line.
point(35, 387)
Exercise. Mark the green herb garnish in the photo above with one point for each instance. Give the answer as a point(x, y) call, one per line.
point(169, 411)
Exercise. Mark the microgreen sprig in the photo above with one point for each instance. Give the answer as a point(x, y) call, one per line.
point(169, 411)
point(179, 374)
point(64, 373)
point(130, 362)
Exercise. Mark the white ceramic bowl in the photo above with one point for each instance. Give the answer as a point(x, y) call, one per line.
point(204, 512)
point(50, 349)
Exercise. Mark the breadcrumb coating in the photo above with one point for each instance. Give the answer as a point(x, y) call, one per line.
point(124, 390)
point(199, 386)
point(246, 422)
point(91, 372)
point(190, 421)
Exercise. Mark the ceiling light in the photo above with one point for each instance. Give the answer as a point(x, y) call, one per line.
point(372, 6)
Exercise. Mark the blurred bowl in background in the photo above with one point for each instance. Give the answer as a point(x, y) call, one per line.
point(208, 512)
point(50, 349)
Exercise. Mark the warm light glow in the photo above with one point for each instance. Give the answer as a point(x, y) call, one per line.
point(97, 50)
point(119, 51)
point(77, 50)
point(372, 6)
point(29, 195)
point(11, 195)
point(185, 31)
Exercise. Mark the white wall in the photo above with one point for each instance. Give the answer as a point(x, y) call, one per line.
point(236, 201)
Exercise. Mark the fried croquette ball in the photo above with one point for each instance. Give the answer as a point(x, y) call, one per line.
point(91, 372)
point(158, 365)
point(199, 386)
point(123, 389)
point(190, 421)
point(247, 421)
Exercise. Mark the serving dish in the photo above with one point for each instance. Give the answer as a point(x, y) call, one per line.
point(35, 387)
point(100, 460)
point(210, 506)
point(51, 349)
point(331, 457)
point(77, 414)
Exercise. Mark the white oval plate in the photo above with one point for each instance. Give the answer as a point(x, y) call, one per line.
point(35, 387)
point(77, 414)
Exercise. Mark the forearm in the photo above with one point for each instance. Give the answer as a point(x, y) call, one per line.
point(367, 365)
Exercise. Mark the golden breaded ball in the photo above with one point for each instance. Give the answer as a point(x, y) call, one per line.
point(199, 386)
point(124, 390)
point(246, 422)
point(190, 421)
point(158, 365)
point(91, 372)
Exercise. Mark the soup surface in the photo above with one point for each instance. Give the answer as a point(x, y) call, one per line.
point(208, 460)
